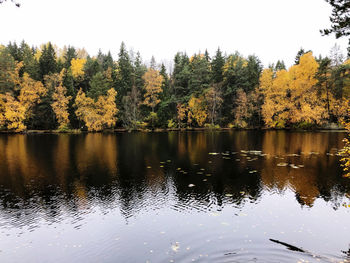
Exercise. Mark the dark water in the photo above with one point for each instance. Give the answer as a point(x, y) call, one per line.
point(174, 197)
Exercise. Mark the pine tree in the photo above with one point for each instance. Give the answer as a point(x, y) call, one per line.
point(47, 60)
point(217, 64)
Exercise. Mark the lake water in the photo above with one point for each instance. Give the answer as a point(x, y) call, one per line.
point(229, 196)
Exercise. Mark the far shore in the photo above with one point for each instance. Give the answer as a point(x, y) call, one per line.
point(124, 130)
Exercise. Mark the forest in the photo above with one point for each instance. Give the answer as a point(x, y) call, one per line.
point(51, 88)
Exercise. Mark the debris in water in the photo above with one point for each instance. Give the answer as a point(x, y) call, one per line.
point(175, 247)
point(253, 171)
point(191, 185)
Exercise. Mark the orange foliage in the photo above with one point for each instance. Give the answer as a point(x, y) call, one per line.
point(153, 84)
point(97, 115)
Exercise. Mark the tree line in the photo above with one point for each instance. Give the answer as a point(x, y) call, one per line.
point(48, 88)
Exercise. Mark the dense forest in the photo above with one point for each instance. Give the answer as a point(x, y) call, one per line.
point(48, 88)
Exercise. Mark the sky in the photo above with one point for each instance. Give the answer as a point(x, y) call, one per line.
point(270, 29)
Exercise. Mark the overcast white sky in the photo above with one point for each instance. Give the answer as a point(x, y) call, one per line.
point(270, 29)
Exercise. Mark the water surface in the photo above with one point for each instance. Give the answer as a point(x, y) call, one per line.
point(230, 196)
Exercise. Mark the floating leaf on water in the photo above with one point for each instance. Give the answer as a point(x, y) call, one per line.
point(199, 172)
point(208, 175)
point(255, 152)
point(214, 153)
point(294, 166)
point(242, 192)
point(253, 171)
point(161, 166)
point(149, 167)
point(237, 160)
point(178, 169)
point(202, 169)
point(196, 164)
point(175, 247)
point(162, 162)
point(204, 180)
point(191, 185)
point(210, 162)
point(169, 161)
point(228, 195)
point(300, 165)
point(282, 164)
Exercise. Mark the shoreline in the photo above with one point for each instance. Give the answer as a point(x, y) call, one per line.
point(124, 130)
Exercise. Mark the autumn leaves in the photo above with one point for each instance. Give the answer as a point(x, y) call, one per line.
point(292, 97)
point(14, 110)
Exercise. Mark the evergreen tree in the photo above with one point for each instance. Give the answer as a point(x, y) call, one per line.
point(181, 77)
point(299, 54)
point(340, 20)
point(199, 74)
point(125, 70)
point(70, 54)
point(47, 60)
point(30, 64)
point(7, 66)
point(14, 51)
point(91, 68)
point(217, 65)
point(280, 65)
point(99, 85)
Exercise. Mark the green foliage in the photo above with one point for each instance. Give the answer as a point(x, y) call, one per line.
point(47, 61)
point(212, 126)
point(171, 124)
point(7, 65)
point(224, 90)
point(152, 119)
point(305, 125)
point(99, 85)
point(279, 124)
point(340, 20)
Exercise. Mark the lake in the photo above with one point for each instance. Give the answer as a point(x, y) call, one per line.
point(223, 196)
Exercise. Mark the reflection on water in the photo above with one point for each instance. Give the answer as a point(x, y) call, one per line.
point(120, 192)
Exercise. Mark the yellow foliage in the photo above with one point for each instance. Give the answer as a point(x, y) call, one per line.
point(276, 105)
point(97, 115)
point(292, 95)
point(31, 92)
point(197, 110)
point(60, 102)
point(77, 66)
point(14, 111)
point(181, 113)
point(2, 110)
point(232, 62)
point(346, 150)
point(153, 84)
point(37, 54)
point(14, 114)
point(306, 103)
